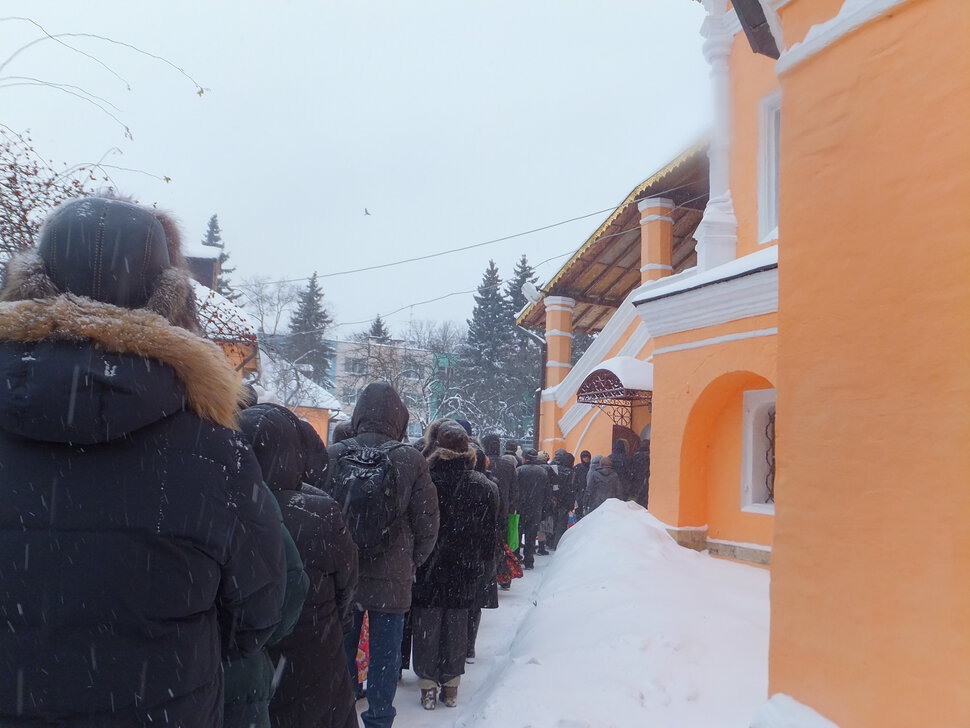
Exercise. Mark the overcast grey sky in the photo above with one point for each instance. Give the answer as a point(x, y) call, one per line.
point(452, 122)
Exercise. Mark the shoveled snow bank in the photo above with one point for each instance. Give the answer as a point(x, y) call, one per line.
point(630, 629)
point(783, 711)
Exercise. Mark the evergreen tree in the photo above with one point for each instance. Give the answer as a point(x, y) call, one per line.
point(308, 324)
point(379, 331)
point(483, 358)
point(525, 366)
point(213, 239)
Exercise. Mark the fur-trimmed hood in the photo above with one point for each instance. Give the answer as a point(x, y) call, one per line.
point(82, 371)
point(434, 452)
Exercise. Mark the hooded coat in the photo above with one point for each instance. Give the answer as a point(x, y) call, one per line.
point(565, 475)
point(601, 483)
point(137, 543)
point(503, 471)
point(453, 576)
point(314, 689)
point(386, 577)
point(535, 489)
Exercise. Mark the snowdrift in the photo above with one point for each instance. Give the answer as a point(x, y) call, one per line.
point(629, 629)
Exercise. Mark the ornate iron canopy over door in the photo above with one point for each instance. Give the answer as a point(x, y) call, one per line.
point(617, 386)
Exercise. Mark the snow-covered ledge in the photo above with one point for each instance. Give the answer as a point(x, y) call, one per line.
point(853, 15)
point(739, 289)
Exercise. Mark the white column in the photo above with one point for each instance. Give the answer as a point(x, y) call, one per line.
point(717, 235)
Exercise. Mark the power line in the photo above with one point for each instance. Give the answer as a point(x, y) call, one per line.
point(481, 288)
point(471, 246)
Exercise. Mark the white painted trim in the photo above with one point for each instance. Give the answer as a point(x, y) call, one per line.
point(557, 332)
point(655, 266)
point(548, 394)
point(560, 301)
point(741, 544)
point(771, 237)
point(765, 509)
point(599, 350)
point(558, 364)
point(769, 174)
point(553, 439)
point(852, 16)
point(717, 340)
point(573, 417)
point(754, 417)
point(652, 202)
point(559, 308)
point(582, 436)
point(751, 294)
point(732, 22)
point(651, 218)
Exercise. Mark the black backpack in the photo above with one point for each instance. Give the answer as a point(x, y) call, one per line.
point(364, 483)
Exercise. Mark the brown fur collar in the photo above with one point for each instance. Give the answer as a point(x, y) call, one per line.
point(440, 454)
point(213, 388)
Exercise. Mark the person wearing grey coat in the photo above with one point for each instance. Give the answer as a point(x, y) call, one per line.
point(601, 483)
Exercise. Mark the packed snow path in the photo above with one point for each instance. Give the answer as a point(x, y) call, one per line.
point(620, 628)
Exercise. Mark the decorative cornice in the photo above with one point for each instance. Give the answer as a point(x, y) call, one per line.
point(556, 301)
point(651, 218)
point(853, 15)
point(651, 203)
point(656, 266)
point(718, 302)
point(717, 340)
point(557, 332)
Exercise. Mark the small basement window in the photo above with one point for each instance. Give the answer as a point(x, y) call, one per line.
point(758, 451)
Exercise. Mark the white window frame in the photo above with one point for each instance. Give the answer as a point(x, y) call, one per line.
point(769, 158)
point(757, 403)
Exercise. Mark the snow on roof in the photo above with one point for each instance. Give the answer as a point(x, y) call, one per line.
point(280, 378)
point(763, 259)
point(221, 319)
point(632, 373)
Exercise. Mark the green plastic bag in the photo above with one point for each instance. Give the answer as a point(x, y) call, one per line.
point(512, 535)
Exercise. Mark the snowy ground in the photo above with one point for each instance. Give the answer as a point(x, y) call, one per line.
point(619, 628)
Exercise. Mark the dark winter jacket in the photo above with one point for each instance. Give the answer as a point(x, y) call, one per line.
point(640, 474)
point(138, 545)
point(488, 590)
point(249, 679)
point(621, 461)
point(315, 689)
point(535, 490)
point(565, 496)
point(601, 483)
point(502, 469)
point(452, 576)
point(386, 578)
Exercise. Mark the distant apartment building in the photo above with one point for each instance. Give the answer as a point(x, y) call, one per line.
point(418, 375)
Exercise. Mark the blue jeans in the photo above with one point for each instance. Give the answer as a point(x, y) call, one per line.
point(386, 633)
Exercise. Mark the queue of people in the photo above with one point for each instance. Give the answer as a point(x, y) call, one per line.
point(174, 553)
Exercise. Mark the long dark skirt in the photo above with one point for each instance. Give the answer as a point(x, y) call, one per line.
point(314, 689)
point(440, 644)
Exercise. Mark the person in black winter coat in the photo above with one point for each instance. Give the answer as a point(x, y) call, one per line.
point(564, 498)
point(138, 544)
point(621, 463)
point(317, 471)
point(314, 689)
point(488, 590)
point(640, 474)
point(535, 492)
point(449, 583)
point(386, 577)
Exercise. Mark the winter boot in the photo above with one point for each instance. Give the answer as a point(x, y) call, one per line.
point(449, 695)
point(429, 698)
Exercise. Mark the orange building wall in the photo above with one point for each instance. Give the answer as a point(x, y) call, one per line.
point(799, 16)
point(869, 593)
point(752, 78)
point(695, 460)
point(319, 419)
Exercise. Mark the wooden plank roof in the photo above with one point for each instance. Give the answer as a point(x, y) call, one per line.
point(606, 267)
